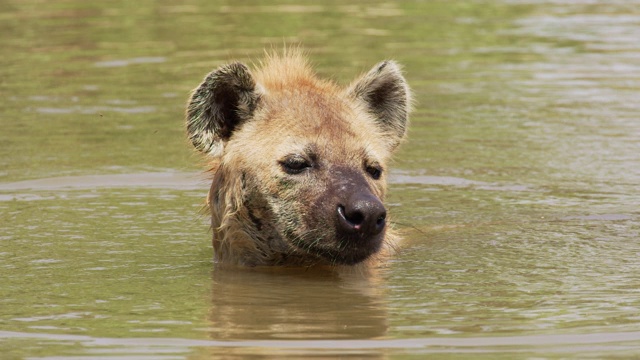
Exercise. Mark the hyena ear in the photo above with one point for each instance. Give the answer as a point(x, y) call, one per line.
point(386, 95)
point(226, 98)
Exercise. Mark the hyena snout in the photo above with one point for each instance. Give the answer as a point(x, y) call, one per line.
point(362, 214)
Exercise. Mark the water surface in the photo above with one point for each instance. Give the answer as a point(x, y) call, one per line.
point(517, 192)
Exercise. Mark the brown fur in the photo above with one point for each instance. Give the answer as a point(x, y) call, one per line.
point(250, 124)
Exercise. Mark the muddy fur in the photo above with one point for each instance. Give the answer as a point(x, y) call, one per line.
point(287, 149)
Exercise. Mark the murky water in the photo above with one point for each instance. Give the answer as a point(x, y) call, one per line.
point(518, 192)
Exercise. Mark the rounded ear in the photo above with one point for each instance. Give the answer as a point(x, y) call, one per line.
point(226, 98)
point(385, 93)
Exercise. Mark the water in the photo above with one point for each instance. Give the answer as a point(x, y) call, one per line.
point(517, 192)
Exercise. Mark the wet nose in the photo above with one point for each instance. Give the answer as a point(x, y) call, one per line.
point(362, 214)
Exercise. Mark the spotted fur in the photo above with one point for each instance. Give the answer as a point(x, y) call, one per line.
point(257, 127)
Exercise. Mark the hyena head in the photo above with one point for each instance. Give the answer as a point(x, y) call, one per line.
point(299, 163)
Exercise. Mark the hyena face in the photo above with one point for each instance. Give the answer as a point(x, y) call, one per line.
point(299, 164)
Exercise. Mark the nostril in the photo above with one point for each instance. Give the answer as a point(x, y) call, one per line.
point(381, 222)
point(354, 218)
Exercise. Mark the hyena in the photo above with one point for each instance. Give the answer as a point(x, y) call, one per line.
point(299, 163)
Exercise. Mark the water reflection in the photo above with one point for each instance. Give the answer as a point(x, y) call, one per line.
point(296, 304)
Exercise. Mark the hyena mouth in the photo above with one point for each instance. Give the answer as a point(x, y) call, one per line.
point(344, 250)
point(353, 250)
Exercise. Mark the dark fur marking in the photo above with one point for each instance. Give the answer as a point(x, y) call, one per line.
point(256, 221)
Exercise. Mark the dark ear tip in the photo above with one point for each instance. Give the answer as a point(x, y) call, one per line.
point(238, 74)
point(389, 66)
point(238, 64)
point(236, 67)
point(390, 71)
point(382, 65)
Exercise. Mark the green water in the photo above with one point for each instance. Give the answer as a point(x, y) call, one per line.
point(517, 192)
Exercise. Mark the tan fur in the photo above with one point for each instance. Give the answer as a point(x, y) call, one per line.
point(290, 111)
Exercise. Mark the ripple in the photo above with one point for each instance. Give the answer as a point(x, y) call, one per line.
point(195, 181)
point(161, 180)
point(599, 217)
point(412, 343)
point(132, 61)
point(96, 110)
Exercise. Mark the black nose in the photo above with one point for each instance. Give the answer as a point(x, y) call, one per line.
point(362, 214)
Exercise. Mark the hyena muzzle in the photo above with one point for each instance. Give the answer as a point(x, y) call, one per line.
point(299, 164)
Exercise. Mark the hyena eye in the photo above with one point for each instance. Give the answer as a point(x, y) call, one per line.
point(295, 165)
point(374, 171)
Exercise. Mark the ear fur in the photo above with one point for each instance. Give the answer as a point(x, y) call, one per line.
point(385, 93)
point(225, 99)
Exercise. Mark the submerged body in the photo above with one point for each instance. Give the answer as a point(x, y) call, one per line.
point(299, 164)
